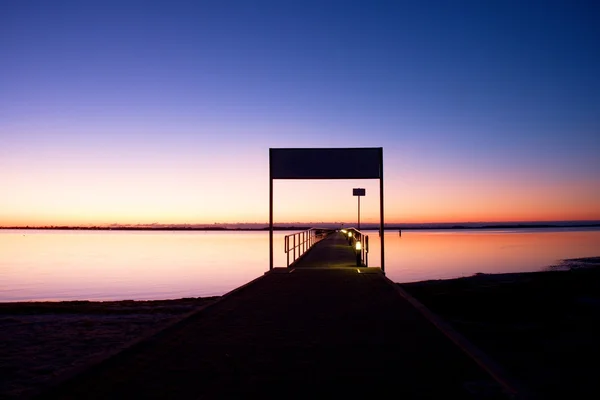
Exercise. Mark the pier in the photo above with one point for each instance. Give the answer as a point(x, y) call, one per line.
point(326, 323)
point(322, 326)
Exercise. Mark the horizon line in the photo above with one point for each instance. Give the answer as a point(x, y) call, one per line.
point(279, 225)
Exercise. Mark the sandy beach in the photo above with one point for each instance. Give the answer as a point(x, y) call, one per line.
point(540, 327)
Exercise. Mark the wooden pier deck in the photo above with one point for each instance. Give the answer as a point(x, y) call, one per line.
point(315, 329)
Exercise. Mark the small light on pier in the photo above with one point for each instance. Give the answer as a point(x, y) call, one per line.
point(344, 231)
point(358, 245)
point(349, 234)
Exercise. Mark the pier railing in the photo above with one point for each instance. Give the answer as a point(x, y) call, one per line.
point(298, 243)
point(360, 243)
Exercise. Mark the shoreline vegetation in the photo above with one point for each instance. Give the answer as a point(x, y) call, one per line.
point(538, 326)
point(333, 225)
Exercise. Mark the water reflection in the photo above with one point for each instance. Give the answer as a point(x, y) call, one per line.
point(103, 265)
point(422, 255)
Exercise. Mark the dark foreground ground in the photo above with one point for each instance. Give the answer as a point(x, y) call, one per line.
point(541, 327)
point(41, 342)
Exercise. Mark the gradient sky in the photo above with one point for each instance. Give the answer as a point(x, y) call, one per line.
point(143, 112)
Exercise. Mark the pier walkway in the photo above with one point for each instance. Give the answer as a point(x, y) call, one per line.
point(318, 328)
point(331, 252)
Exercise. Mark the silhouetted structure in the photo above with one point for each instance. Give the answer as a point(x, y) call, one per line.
point(326, 163)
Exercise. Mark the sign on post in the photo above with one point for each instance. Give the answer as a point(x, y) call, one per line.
point(358, 192)
point(353, 163)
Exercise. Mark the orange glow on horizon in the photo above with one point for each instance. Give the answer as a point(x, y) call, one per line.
point(76, 194)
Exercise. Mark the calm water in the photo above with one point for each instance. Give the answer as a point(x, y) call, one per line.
point(102, 265)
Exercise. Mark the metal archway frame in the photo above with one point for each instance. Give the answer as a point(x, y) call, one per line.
point(326, 163)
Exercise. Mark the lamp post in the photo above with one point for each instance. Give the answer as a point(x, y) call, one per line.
point(358, 192)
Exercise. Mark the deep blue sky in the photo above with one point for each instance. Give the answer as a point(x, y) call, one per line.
point(465, 96)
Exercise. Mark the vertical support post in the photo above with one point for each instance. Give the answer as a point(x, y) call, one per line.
point(367, 252)
point(303, 242)
point(270, 214)
point(359, 213)
point(362, 250)
point(287, 249)
point(294, 247)
point(381, 223)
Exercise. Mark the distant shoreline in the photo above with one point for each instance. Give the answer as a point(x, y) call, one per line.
point(406, 227)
